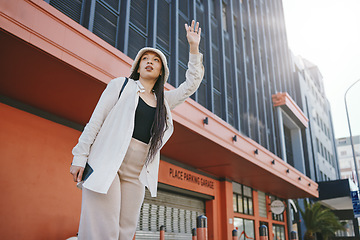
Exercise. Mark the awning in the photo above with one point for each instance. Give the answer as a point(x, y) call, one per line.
point(336, 194)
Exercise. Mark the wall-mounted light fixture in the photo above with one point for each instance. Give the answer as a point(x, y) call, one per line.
point(299, 178)
point(206, 121)
point(288, 170)
point(256, 151)
point(273, 162)
point(309, 184)
point(234, 138)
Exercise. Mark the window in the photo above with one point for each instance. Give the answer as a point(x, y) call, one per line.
point(202, 92)
point(242, 199)
point(349, 229)
point(293, 147)
point(342, 140)
point(236, 37)
point(289, 146)
point(321, 125)
point(317, 119)
point(183, 44)
point(138, 26)
point(317, 145)
point(224, 18)
point(163, 26)
point(327, 155)
point(279, 232)
point(245, 228)
point(322, 149)
point(216, 64)
point(70, 8)
point(262, 204)
point(105, 22)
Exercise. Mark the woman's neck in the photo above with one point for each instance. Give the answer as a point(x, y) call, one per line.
point(147, 84)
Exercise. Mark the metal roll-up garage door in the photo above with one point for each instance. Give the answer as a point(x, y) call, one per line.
point(175, 211)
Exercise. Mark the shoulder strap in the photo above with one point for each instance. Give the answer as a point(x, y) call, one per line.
point(123, 86)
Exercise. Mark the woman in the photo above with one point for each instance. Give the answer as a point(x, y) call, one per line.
point(123, 138)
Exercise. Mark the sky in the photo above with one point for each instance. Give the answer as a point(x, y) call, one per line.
point(327, 33)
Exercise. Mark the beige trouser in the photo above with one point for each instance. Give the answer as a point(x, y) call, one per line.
point(115, 215)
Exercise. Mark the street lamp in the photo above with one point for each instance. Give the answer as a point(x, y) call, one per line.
point(351, 140)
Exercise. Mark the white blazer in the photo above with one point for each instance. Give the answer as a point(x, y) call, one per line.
point(106, 137)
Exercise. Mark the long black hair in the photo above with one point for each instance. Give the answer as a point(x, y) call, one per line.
point(159, 125)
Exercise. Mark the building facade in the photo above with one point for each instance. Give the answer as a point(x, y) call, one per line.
point(346, 157)
point(321, 155)
point(239, 144)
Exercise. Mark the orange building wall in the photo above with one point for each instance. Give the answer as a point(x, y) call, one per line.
point(39, 200)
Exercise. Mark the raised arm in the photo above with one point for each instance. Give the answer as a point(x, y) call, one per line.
point(195, 72)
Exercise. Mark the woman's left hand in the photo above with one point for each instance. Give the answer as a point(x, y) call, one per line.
point(193, 34)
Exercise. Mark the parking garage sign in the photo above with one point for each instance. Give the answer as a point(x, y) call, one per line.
point(356, 203)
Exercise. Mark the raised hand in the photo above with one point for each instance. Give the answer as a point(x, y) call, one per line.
point(193, 35)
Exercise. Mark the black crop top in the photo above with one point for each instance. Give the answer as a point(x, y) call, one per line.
point(144, 118)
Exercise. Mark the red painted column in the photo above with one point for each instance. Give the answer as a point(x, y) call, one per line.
point(213, 209)
point(226, 210)
point(256, 213)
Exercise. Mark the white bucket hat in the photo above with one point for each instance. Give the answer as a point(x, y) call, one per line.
point(158, 52)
